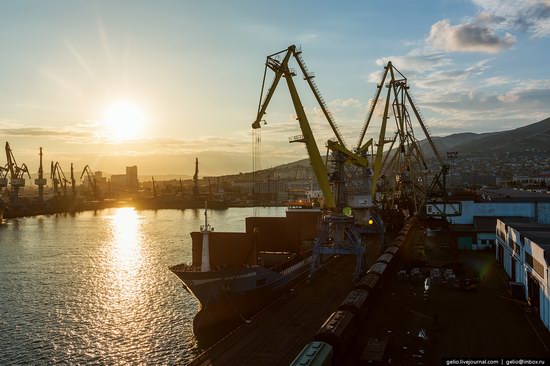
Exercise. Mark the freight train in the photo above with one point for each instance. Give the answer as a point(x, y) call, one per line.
point(332, 340)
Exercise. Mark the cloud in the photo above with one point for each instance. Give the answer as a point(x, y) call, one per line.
point(418, 60)
point(531, 16)
point(350, 102)
point(43, 132)
point(497, 80)
point(459, 93)
point(508, 98)
point(467, 37)
point(306, 38)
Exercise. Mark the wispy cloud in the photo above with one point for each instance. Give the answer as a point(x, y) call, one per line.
point(59, 134)
point(420, 59)
point(307, 38)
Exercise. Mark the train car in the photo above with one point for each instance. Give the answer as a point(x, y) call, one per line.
point(392, 250)
point(379, 269)
point(370, 282)
point(356, 302)
point(400, 239)
point(338, 331)
point(314, 354)
point(385, 258)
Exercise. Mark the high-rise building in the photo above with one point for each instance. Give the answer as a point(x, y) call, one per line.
point(132, 178)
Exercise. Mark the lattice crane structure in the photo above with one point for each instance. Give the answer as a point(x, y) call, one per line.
point(344, 180)
point(401, 178)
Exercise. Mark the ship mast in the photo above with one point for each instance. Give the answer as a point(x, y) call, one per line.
point(205, 230)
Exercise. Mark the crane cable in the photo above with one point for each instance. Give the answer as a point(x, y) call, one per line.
point(257, 147)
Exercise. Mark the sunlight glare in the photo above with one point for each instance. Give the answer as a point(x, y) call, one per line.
point(127, 238)
point(124, 121)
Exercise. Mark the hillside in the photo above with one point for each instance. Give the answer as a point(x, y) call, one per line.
point(533, 137)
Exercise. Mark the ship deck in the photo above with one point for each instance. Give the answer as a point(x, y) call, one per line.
point(484, 323)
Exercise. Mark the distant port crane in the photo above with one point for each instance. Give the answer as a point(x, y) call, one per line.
point(40, 181)
point(59, 179)
point(17, 174)
point(196, 194)
point(92, 181)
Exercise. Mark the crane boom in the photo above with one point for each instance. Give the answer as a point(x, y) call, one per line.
point(308, 76)
point(282, 69)
point(16, 171)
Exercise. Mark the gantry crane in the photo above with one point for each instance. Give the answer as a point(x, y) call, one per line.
point(400, 173)
point(347, 197)
point(17, 174)
point(59, 179)
point(91, 181)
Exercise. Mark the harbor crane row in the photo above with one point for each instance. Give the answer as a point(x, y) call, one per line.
point(346, 188)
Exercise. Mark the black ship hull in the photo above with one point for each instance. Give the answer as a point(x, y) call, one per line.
point(236, 294)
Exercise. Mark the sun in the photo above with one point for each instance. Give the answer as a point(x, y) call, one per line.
point(124, 120)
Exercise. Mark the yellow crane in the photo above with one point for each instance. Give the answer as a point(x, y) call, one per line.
point(340, 229)
point(282, 69)
point(402, 168)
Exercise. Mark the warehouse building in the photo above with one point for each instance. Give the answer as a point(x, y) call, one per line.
point(523, 249)
point(477, 212)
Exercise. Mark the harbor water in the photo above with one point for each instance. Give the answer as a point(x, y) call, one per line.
point(95, 288)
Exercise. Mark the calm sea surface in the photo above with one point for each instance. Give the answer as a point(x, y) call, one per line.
point(94, 287)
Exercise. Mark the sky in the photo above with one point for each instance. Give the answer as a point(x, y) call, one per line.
point(155, 84)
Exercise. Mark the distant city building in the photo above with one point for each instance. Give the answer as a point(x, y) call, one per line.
point(119, 182)
point(544, 179)
point(132, 178)
point(101, 181)
point(523, 249)
point(125, 182)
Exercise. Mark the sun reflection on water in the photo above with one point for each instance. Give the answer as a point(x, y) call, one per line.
point(126, 254)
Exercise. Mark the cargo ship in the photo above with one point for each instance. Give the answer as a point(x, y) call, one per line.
point(235, 275)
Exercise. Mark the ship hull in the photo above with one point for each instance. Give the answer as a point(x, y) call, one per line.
point(228, 296)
